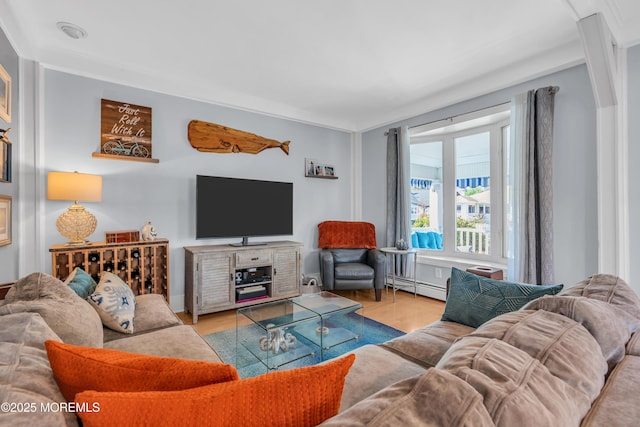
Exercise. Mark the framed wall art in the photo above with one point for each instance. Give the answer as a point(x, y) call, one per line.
point(5, 95)
point(125, 132)
point(5, 220)
point(5, 156)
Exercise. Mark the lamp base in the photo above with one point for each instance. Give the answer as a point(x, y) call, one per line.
point(76, 224)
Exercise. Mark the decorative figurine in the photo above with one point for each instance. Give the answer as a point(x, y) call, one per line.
point(402, 245)
point(149, 232)
point(277, 340)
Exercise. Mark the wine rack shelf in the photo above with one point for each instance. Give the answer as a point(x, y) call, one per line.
point(143, 265)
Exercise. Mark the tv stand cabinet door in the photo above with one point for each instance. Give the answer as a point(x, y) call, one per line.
point(286, 272)
point(215, 288)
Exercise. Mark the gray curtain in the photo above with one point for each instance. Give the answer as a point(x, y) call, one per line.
point(531, 187)
point(398, 194)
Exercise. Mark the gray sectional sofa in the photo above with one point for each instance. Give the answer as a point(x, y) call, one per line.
point(40, 307)
point(565, 360)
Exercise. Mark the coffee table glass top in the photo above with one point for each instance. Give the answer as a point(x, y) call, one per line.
point(325, 303)
point(277, 314)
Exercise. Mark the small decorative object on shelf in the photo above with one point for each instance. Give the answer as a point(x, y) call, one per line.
point(149, 232)
point(322, 330)
point(313, 169)
point(122, 236)
point(402, 245)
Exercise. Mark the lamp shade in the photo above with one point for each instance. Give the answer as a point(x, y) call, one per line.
point(74, 186)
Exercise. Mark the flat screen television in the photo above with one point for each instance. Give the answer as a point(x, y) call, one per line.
point(235, 207)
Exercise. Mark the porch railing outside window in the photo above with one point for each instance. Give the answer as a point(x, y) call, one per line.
point(473, 240)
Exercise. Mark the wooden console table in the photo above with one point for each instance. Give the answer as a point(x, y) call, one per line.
point(224, 277)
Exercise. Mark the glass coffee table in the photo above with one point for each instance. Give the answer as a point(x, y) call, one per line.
point(337, 324)
point(281, 332)
point(265, 330)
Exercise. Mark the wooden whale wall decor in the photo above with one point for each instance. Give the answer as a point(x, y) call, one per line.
point(210, 137)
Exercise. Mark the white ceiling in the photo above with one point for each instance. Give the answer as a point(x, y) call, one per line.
point(344, 64)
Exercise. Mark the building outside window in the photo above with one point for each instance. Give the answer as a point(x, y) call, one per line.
point(458, 172)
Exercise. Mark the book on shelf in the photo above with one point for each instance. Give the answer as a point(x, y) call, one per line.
point(251, 289)
point(252, 299)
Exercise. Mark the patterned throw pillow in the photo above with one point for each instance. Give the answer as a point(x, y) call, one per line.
point(473, 300)
point(115, 303)
point(81, 283)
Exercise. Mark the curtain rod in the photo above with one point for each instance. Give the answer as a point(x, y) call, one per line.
point(552, 89)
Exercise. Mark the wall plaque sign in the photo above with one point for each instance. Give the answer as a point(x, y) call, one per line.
point(125, 131)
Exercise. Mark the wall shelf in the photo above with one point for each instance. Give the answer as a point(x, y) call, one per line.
point(129, 158)
point(322, 176)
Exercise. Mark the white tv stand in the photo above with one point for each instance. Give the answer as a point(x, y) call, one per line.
point(225, 277)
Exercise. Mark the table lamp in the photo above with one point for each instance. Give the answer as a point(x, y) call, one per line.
point(76, 224)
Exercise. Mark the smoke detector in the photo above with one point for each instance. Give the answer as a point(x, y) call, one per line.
point(72, 30)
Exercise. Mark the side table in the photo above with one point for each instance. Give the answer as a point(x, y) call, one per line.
point(393, 252)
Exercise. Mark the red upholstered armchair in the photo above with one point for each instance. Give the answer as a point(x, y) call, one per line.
point(348, 257)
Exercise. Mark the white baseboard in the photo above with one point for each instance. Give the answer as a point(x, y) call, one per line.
point(430, 290)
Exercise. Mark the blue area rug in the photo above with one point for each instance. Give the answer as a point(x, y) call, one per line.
point(304, 352)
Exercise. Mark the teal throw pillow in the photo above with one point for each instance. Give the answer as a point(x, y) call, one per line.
point(81, 283)
point(474, 299)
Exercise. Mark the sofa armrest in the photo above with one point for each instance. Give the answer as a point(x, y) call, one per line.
point(326, 269)
point(377, 260)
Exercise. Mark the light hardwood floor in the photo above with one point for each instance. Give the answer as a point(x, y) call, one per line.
point(406, 314)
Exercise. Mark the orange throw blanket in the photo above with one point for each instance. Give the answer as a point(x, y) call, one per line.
point(346, 234)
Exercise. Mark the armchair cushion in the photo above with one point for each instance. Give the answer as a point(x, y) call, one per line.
point(353, 271)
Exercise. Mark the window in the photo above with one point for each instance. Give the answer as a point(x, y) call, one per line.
point(457, 173)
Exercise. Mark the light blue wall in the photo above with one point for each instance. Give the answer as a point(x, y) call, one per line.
point(135, 192)
point(574, 167)
point(633, 84)
point(9, 253)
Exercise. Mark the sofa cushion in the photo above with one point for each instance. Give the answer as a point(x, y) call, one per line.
point(633, 346)
point(176, 341)
point(425, 346)
point(297, 397)
point(552, 339)
point(151, 312)
point(81, 283)
point(115, 303)
point(618, 404)
point(70, 317)
point(517, 389)
point(435, 398)
point(389, 368)
point(25, 374)
point(472, 300)
point(609, 288)
point(609, 325)
point(78, 368)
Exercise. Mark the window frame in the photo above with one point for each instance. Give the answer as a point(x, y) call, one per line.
point(497, 168)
